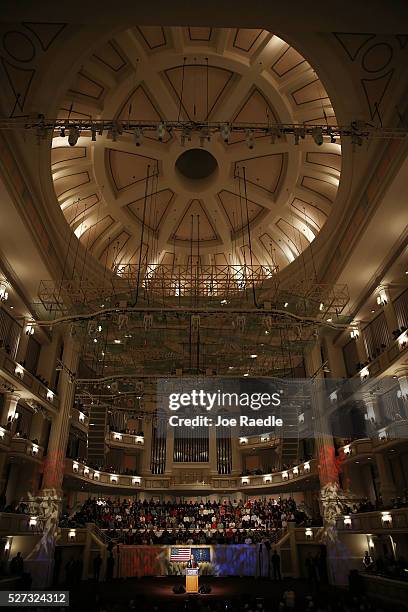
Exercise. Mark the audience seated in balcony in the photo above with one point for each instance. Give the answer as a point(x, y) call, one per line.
point(158, 522)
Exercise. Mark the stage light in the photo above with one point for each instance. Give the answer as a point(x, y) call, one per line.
point(225, 133)
point(250, 139)
point(73, 136)
point(161, 130)
point(138, 136)
point(317, 134)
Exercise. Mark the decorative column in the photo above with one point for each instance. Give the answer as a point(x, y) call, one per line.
point(331, 495)
point(47, 505)
point(387, 485)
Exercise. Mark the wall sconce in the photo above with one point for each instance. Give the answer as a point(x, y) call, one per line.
point(265, 438)
point(364, 373)
point(333, 396)
point(7, 545)
point(2, 432)
point(75, 467)
point(295, 471)
point(3, 292)
point(347, 521)
point(114, 479)
point(81, 417)
point(382, 298)
point(50, 395)
point(136, 480)
point(301, 418)
point(354, 333)
point(243, 440)
point(19, 371)
point(96, 475)
point(86, 471)
point(33, 521)
point(308, 533)
point(386, 519)
point(139, 440)
point(285, 475)
point(382, 434)
point(35, 449)
point(71, 534)
point(370, 542)
point(306, 466)
point(347, 450)
point(403, 339)
point(117, 436)
point(29, 330)
point(245, 480)
point(267, 479)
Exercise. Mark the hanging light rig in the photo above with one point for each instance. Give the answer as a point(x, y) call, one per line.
point(73, 129)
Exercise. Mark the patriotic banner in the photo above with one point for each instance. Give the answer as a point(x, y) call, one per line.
point(180, 554)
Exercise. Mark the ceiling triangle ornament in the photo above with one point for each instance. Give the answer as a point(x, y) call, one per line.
point(402, 40)
point(196, 224)
point(256, 107)
point(20, 81)
point(127, 169)
point(46, 33)
point(375, 90)
point(193, 100)
point(353, 42)
point(157, 206)
point(140, 104)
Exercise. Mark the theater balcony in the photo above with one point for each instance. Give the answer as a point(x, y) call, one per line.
point(24, 383)
point(124, 440)
point(79, 419)
point(379, 521)
point(21, 448)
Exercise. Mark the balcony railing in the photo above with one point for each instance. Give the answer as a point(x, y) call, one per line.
point(23, 447)
point(379, 520)
point(23, 380)
point(125, 440)
point(263, 481)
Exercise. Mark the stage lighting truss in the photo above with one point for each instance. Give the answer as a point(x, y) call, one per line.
point(73, 129)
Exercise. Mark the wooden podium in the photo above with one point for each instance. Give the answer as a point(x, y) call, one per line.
point(191, 580)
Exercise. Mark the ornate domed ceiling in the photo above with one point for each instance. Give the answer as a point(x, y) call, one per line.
point(197, 204)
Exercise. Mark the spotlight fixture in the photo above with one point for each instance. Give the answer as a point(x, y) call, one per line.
point(73, 136)
point(225, 133)
point(250, 139)
point(185, 136)
point(317, 134)
point(138, 136)
point(332, 136)
point(161, 130)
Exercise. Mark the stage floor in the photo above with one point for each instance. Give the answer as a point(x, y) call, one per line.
point(161, 589)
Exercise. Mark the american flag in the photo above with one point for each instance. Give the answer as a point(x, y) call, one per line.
point(180, 554)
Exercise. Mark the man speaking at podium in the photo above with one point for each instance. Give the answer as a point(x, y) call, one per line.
point(191, 562)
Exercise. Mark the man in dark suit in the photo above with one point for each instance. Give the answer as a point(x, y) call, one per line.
point(191, 562)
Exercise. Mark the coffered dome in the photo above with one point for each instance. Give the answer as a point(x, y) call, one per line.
point(195, 202)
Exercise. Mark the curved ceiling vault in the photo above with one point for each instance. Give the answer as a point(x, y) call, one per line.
point(252, 76)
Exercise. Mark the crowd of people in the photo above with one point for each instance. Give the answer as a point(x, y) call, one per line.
point(386, 565)
point(366, 505)
point(145, 522)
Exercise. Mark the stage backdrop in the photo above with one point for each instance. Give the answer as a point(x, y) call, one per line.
point(219, 560)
